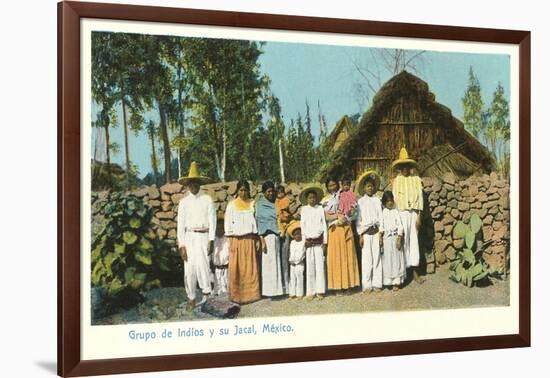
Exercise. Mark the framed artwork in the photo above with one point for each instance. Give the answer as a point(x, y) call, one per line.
point(239, 188)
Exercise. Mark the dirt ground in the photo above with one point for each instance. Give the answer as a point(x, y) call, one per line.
point(437, 292)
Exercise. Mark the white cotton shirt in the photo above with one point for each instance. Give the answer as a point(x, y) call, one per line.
point(312, 222)
point(391, 223)
point(196, 212)
point(370, 213)
point(239, 222)
point(297, 251)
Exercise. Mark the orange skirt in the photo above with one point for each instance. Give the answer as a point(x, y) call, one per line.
point(342, 266)
point(244, 273)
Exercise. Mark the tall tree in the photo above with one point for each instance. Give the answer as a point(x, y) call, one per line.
point(498, 130)
point(309, 146)
point(152, 132)
point(291, 153)
point(473, 106)
point(104, 91)
point(157, 88)
point(374, 66)
point(227, 91)
point(276, 130)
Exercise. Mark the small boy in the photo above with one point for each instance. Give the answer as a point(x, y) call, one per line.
point(391, 231)
point(314, 231)
point(220, 258)
point(296, 260)
point(368, 225)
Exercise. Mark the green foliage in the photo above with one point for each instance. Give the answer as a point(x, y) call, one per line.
point(127, 258)
point(469, 268)
point(473, 106)
point(498, 128)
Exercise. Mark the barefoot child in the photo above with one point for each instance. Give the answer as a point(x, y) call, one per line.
point(407, 191)
point(391, 230)
point(314, 231)
point(220, 259)
point(296, 260)
point(368, 225)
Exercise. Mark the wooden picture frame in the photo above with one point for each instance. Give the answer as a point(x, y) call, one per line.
point(70, 15)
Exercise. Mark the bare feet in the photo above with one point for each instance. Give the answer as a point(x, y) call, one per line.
point(418, 278)
point(309, 297)
point(395, 288)
point(319, 297)
point(190, 305)
point(367, 291)
point(377, 290)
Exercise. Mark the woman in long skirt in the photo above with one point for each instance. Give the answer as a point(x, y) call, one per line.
point(342, 266)
point(244, 244)
point(266, 220)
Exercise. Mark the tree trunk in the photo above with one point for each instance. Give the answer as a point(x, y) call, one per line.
point(154, 158)
point(281, 161)
point(181, 151)
point(224, 152)
point(166, 145)
point(126, 144)
point(108, 155)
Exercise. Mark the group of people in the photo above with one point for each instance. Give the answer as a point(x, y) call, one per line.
point(256, 248)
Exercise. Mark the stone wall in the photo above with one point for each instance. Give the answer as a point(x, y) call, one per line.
point(448, 201)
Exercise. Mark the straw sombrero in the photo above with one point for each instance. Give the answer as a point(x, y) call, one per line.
point(360, 182)
point(293, 226)
point(403, 158)
point(312, 188)
point(194, 176)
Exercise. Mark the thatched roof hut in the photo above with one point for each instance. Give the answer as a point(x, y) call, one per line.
point(340, 133)
point(404, 112)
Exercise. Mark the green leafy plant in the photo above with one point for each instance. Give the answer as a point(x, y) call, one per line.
point(469, 268)
point(127, 257)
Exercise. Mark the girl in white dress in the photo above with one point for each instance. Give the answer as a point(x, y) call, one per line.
point(220, 258)
point(391, 230)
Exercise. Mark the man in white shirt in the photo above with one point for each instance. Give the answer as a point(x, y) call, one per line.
point(196, 232)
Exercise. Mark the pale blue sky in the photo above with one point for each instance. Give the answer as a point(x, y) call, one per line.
point(327, 74)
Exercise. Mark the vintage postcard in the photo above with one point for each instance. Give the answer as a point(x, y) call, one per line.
point(255, 189)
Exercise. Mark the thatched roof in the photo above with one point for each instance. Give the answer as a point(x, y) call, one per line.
point(340, 133)
point(462, 154)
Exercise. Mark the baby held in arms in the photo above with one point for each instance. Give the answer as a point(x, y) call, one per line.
point(347, 203)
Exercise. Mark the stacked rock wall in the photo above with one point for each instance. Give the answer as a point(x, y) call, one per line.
point(450, 201)
point(447, 201)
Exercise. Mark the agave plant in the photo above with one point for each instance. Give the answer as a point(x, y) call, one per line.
point(469, 267)
point(127, 256)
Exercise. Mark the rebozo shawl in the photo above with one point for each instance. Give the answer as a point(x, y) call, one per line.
point(266, 216)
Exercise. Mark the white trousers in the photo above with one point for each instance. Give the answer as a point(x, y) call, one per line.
point(296, 280)
point(410, 237)
point(197, 267)
point(272, 272)
point(371, 263)
point(315, 270)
